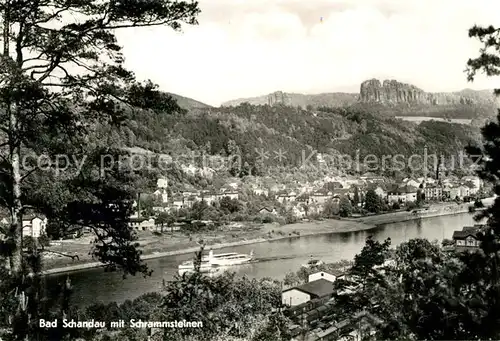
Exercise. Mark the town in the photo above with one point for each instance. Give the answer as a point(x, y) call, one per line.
point(163, 210)
point(249, 171)
point(297, 201)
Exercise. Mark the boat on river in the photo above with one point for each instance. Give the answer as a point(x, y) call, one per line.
point(312, 263)
point(189, 266)
point(228, 259)
point(210, 263)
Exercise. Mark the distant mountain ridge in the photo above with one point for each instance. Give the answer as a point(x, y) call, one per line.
point(335, 99)
point(188, 103)
point(391, 97)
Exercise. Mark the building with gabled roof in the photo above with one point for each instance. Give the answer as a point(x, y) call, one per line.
point(306, 292)
point(468, 237)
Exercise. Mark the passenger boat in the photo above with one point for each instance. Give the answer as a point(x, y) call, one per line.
point(312, 263)
point(188, 266)
point(210, 263)
point(228, 259)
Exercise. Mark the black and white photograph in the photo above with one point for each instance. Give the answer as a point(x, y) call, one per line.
point(249, 170)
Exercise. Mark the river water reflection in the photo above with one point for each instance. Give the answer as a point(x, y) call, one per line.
point(275, 258)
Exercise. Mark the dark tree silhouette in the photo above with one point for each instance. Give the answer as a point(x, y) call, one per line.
point(62, 84)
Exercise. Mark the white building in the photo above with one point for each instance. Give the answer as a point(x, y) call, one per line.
point(260, 191)
point(433, 192)
point(162, 183)
point(230, 194)
point(403, 194)
point(142, 224)
point(34, 226)
point(162, 195)
point(322, 275)
point(413, 183)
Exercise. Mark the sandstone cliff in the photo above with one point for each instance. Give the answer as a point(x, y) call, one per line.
point(394, 92)
point(279, 97)
point(391, 98)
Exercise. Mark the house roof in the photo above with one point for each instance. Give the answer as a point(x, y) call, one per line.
point(334, 184)
point(32, 216)
point(474, 228)
point(318, 288)
point(322, 193)
point(409, 189)
point(395, 189)
point(364, 316)
point(465, 234)
point(287, 194)
point(469, 231)
point(341, 191)
point(375, 185)
point(139, 220)
point(431, 185)
point(470, 177)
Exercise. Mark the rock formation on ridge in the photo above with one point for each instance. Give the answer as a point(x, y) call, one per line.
point(394, 92)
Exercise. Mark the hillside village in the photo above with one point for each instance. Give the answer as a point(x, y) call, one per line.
point(307, 200)
point(259, 201)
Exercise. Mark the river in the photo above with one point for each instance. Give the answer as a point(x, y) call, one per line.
point(275, 258)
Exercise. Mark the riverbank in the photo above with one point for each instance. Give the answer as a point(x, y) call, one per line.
point(175, 243)
point(435, 210)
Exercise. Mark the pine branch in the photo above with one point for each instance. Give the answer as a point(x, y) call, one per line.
point(73, 257)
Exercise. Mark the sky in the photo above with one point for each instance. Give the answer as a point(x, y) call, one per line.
point(247, 48)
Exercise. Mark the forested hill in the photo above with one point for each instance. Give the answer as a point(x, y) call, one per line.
point(270, 131)
point(188, 103)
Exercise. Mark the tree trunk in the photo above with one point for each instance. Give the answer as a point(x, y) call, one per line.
point(16, 228)
point(16, 209)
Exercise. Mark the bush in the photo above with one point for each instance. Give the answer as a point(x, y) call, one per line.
point(281, 221)
point(447, 242)
point(44, 240)
point(241, 217)
point(267, 219)
point(411, 206)
point(396, 206)
point(290, 219)
point(472, 208)
point(258, 220)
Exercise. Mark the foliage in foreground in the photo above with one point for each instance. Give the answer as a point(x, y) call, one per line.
point(230, 308)
point(62, 84)
point(425, 293)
